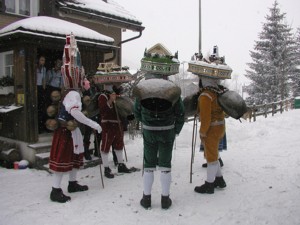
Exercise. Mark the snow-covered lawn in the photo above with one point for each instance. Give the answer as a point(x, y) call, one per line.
point(261, 168)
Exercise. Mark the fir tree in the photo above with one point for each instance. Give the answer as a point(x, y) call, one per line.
point(273, 60)
point(295, 75)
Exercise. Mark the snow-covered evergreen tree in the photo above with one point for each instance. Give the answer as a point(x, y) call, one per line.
point(295, 76)
point(273, 60)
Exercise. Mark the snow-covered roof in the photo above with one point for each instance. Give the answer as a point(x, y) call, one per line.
point(107, 8)
point(52, 27)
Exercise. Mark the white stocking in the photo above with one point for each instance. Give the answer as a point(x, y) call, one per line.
point(104, 157)
point(119, 154)
point(148, 179)
point(165, 180)
point(57, 177)
point(73, 175)
point(212, 169)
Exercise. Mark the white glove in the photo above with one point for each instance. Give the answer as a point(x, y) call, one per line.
point(79, 116)
point(97, 127)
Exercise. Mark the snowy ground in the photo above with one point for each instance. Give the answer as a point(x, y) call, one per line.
point(261, 168)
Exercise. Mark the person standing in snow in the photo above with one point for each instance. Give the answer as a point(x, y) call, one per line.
point(112, 129)
point(160, 109)
point(211, 115)
point(66, 155)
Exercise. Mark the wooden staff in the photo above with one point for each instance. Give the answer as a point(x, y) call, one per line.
point(98, 150)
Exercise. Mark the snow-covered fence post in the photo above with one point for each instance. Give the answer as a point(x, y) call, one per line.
point(266, 109)
point(254, 112)
point(281, 106)
point(273, 108)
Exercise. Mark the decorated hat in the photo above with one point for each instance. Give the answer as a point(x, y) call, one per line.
point(110, 73)
point(213, 67)
point(72, 71)
point(159, 61)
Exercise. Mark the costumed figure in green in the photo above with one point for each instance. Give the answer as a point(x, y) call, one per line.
point(160, 109)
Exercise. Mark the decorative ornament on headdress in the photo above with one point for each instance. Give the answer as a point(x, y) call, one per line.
point(158, 60)
point(72, 70)
point(214, 67)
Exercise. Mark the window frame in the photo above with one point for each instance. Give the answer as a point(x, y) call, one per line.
point(4, 66)
point(33, 9)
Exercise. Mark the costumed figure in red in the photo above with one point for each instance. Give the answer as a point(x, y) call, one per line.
point(67, 149)
point(114, 109)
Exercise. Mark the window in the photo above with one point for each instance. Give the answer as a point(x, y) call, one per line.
point(6, 63)
point(22, 7)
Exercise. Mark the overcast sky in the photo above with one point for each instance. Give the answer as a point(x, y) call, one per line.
point(233, 25)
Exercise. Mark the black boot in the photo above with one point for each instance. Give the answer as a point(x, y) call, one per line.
point(219, 182)
point(87, 155)
point(206, 188)
point(107, 172)
point(122, 168)
point(57, 195)
point(75, 187)
point(146, 201)
point(166, 202)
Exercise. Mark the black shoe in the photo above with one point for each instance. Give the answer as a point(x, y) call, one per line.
point(122, 168)
point(166, 202)
point(75, 187)
point(219, 182)
point(87, 155)
point(107, 173)
point(96, 153)
point(221, 162)
point(204, 165)
point(206, 188)
point(57, 195)
point(146, 201)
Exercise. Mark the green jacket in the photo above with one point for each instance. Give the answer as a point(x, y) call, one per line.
point(172, 116)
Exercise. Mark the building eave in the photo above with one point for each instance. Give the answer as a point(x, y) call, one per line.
point(65, 11)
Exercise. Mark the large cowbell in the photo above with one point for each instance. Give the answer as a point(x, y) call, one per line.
point(232, 104)
point(190, 103)
point(157, 95)
point(124, 106)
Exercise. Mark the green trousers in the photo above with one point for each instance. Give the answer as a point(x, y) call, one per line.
point(158, 147)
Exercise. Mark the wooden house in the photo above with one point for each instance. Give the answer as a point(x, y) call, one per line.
point(32, 28)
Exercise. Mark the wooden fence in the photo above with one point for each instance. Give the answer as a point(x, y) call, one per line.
point(269, 108)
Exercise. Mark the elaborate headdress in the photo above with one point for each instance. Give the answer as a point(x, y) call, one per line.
point(72, 71)
point(214, 67)
point(159, 61)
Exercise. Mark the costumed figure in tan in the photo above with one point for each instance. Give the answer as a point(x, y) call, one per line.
point(211, 115)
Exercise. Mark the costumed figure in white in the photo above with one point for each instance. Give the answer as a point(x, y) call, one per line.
point(67, 149)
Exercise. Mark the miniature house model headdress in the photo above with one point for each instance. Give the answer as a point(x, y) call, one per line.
point(158, 60)
point(214, 67)
point(158, 94)
point(110, 73)
point(72, 70)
